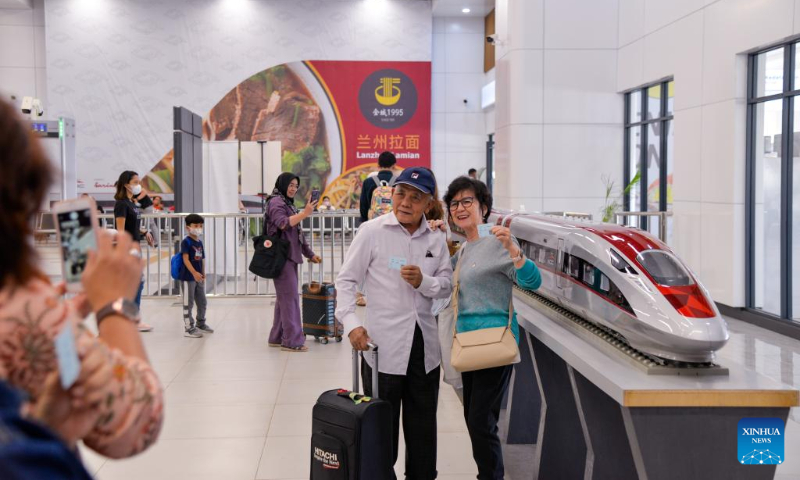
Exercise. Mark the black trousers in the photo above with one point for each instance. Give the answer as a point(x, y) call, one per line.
point(483, 394)
point(417, 393)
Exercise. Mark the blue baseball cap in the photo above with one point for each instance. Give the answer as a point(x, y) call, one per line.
point(419, 178)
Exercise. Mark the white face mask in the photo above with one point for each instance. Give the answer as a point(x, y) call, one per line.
point(196, 231)
point(136, 190)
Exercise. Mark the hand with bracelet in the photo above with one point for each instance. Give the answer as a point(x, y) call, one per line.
point(504, 235)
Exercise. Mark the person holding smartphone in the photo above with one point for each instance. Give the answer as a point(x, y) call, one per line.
point(128, 218)
point(284, 219)
point(115, 404)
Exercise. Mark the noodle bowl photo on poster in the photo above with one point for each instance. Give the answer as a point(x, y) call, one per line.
point(333, 120)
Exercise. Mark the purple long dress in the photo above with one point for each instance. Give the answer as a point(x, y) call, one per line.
point(287, 326)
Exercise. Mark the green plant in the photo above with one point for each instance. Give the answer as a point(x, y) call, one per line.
point(613, 199)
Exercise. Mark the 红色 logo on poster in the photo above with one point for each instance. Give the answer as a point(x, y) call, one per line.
point(760, 441)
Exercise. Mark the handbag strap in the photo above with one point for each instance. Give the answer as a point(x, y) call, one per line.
point(454, 301)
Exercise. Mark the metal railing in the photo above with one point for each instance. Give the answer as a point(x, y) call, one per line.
point(228, 242)
point(622, 218)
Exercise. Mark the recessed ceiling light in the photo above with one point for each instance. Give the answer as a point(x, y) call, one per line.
point(465, 10)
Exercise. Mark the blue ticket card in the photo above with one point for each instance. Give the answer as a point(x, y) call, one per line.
point(485, 230)
point(396, 263)
point(69, 366)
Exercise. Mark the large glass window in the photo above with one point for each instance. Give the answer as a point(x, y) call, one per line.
point(648, 152)
point(773, 192)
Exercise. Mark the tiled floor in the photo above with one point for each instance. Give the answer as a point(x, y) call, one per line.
point(237, 409)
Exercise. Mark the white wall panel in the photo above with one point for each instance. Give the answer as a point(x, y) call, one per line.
point(525, 166)
point(576, 157)
point(675, 51)
point(630, 66)
point(464, 52)
point(525, 25)
point(733, 27)
point(16, 46)
point(688, 155)
point(580, 87)
point(724, 146)
point(659, 13)
point(465, 132)
point(20, 82)
point(722, 249)
point(581, 24)
point(631, 21)
point(460, 87)
point(525, 81)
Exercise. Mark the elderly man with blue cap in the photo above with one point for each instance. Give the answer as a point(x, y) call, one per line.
point(404, 265)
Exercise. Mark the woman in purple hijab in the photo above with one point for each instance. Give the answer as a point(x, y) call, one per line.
point(284, 218)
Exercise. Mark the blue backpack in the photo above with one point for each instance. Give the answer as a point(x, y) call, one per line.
point(176, 266)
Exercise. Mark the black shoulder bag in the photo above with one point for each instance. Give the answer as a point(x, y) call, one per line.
point(269, 253)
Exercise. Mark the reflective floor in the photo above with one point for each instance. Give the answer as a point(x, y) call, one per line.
point(237, 409)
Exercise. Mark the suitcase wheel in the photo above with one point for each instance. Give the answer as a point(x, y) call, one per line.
point(338, 339)
point(323, 340)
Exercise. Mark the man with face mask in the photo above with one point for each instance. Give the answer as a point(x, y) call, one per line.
point(404, 265)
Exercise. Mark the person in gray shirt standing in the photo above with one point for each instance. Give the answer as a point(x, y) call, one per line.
point(404, 265)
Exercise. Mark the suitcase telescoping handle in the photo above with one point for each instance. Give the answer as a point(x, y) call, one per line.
point(356, 355)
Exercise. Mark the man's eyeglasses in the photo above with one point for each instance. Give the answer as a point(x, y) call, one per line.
point(466, 201)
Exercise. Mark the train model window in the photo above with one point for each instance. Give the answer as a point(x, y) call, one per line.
point(664, 268)
point(575, 266)
point(588, 274)
point(605, 283)
point(620, 264)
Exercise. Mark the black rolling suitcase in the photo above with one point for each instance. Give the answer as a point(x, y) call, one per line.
point(351, 435)
point(319, 305)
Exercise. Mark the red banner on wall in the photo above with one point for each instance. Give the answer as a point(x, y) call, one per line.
point(333, 119)
point(380, 106)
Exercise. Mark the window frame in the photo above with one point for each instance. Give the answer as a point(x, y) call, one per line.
point(787, 97)
point(663, 120)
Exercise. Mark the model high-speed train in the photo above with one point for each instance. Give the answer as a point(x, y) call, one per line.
point(624, 279)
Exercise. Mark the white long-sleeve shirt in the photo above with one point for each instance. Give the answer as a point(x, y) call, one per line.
point(394, 306)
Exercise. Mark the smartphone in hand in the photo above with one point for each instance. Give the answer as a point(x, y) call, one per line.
point(76, 226)
point(315, 193)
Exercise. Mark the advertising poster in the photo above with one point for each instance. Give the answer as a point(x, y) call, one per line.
point(333, 119)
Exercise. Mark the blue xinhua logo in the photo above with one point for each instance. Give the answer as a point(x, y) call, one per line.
point(761, 441)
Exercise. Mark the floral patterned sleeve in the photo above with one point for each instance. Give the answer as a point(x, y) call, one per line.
point(30, 318)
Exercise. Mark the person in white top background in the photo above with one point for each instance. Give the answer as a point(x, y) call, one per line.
point(404, 265)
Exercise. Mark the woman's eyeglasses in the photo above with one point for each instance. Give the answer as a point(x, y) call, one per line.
point(466, 201)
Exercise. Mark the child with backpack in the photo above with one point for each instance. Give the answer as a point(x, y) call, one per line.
point(188, 266)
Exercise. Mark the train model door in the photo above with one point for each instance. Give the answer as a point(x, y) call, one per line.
point(561, 280)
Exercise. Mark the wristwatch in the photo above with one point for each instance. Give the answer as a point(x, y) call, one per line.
point(519, 256)
point(121, 306)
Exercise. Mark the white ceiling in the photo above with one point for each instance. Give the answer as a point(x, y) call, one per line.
point(452, 8)
point(16, 4)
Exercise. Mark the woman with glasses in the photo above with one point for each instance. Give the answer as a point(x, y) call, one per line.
point(491, 263)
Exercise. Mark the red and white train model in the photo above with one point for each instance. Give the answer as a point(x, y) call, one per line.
point(624, 279)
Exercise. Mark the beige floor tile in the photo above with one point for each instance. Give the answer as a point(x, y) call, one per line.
point(285, 457)
point(196, 459)
point(261, 370)
point(301, 391)
point(291, 420)
point(221, 393)
point(216, 421)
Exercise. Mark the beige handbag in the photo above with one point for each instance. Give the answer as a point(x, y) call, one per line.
point(484, 348)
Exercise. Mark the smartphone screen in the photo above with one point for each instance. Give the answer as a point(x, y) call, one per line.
point(77, 238)
point(314, 195)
